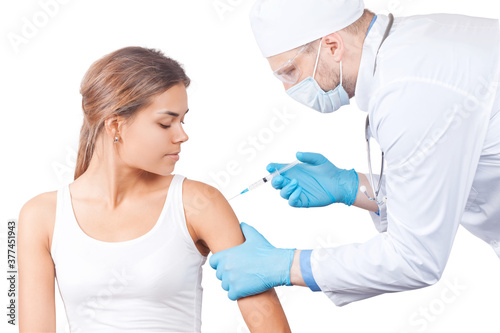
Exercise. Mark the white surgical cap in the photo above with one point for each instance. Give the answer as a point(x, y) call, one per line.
point(282, 25)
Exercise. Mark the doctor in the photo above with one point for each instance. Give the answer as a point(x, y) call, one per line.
point(429, 85)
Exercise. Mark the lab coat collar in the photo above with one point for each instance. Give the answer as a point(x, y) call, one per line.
point(364, 84)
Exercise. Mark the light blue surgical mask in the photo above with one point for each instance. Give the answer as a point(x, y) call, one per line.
point(309, 93)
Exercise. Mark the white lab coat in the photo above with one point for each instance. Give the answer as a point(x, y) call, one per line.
point(434, 105)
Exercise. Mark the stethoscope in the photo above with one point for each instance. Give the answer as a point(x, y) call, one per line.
point(368, 134)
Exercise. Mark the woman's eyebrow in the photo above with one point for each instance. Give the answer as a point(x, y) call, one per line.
point(175, 114)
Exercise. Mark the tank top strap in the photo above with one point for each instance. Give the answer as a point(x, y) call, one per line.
point(177, 210)
point(176, 185)
point(61, 225)
point(175, 191)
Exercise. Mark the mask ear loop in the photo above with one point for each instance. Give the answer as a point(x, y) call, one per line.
point(317, 57)
point(316, 64)
point(340, 72)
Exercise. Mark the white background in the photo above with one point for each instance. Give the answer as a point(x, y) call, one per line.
point(234, 101)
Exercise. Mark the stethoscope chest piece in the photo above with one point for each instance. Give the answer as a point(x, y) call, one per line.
point(371, 180)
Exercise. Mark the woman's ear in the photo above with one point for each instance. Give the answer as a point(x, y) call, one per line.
point(112, 125)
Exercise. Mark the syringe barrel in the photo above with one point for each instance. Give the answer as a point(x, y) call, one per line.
point(256, 184)
point(280, 171)
point(270, 176)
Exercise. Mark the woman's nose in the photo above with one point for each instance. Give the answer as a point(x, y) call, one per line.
point(181, 135)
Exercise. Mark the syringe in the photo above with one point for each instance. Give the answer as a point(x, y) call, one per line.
point(267, 178)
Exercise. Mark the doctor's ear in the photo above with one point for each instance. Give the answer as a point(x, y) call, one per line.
point(334, 43)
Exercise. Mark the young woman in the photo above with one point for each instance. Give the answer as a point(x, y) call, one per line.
point(127, 238)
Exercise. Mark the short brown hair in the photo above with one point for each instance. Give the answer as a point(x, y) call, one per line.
point(357, 27)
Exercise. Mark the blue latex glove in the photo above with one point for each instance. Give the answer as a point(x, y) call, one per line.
point(252, 267)
point(315, 183)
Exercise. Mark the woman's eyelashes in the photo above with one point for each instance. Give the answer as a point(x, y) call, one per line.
point(168, 126)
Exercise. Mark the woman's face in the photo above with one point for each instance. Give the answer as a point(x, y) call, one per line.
point(152, 140)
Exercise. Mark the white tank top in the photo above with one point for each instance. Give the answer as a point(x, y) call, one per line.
point(148, 284)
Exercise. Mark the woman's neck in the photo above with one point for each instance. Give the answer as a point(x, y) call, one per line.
point(109, 178)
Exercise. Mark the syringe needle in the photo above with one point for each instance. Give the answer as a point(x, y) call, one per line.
point(244, 191)
point(234, 197)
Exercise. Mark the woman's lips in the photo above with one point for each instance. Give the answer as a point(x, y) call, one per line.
point(175, 157)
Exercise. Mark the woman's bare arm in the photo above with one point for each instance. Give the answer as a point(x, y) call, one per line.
point(216, 225)
point(37, 311)
point(361, 200)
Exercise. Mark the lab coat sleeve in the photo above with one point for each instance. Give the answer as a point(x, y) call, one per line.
point(432, 136)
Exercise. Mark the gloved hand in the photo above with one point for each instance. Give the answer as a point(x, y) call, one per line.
point(315, 183)
point(252, 267)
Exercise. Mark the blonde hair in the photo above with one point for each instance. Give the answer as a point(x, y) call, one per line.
point(121, 83)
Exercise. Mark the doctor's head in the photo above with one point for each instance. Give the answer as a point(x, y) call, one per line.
point(314, 47)
point(134, 101)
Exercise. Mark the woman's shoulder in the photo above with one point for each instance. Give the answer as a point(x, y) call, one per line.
point(201, 193)
point(209, 216)
point(43, 203)
point(38, 214)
